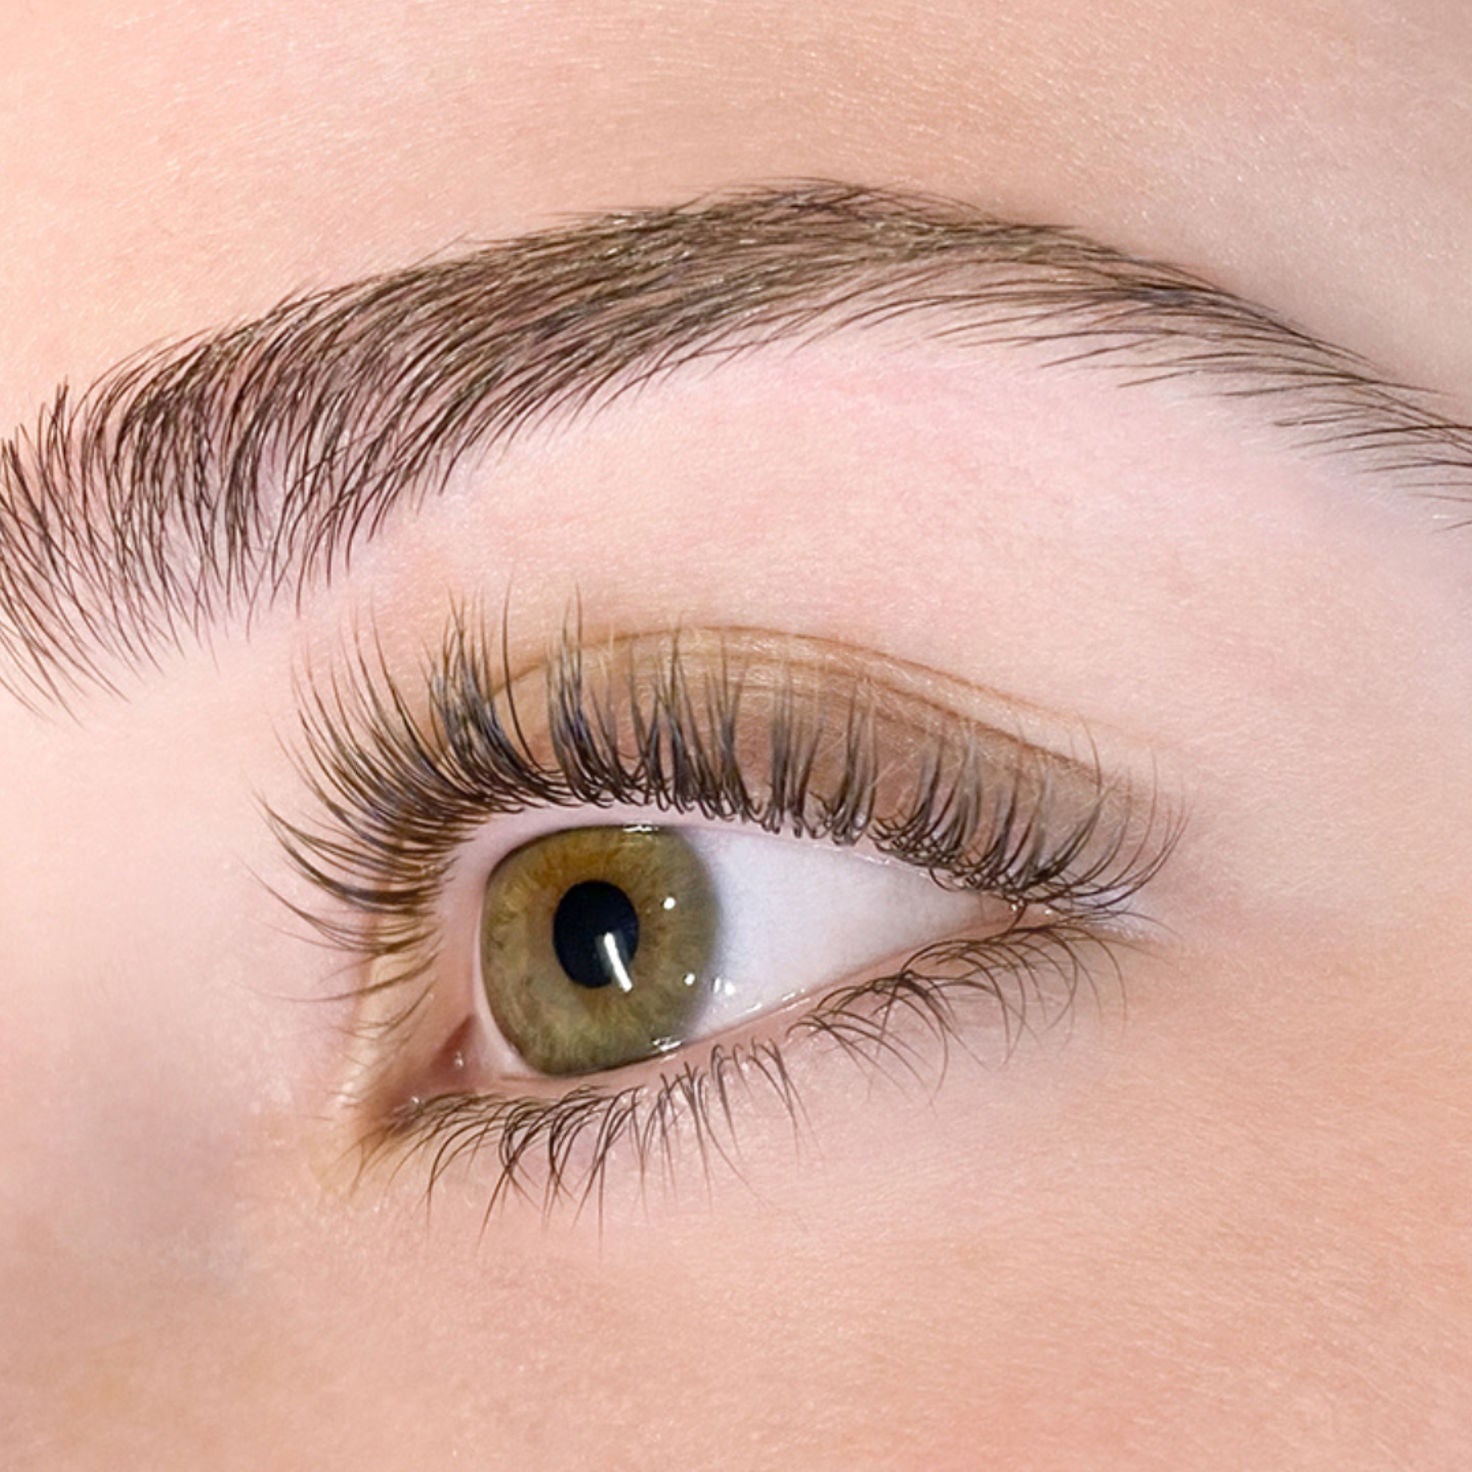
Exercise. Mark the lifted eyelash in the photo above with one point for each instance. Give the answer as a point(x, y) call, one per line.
point(788, 735)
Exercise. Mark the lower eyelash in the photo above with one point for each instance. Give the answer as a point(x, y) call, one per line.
point(1031, 976)
point(557, 1152)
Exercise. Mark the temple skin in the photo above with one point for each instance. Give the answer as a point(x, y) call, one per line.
point(1225, 1225)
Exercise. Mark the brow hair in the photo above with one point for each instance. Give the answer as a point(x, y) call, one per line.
point(217, 476)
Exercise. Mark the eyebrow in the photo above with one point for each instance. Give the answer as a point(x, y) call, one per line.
point(212, 479)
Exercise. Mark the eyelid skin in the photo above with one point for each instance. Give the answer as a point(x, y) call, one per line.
point(778, 733)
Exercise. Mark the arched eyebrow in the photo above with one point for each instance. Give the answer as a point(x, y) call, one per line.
point(222, 475)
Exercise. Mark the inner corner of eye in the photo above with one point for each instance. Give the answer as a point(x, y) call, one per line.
point(602, 946)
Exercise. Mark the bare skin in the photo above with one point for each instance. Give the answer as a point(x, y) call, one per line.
point(1225, 1225)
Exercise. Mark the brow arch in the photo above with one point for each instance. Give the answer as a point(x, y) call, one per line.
point(225, 473)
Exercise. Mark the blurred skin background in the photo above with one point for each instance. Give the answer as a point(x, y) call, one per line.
point(1237, 1233)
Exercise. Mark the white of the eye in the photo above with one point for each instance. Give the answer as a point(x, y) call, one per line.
point(796, 915)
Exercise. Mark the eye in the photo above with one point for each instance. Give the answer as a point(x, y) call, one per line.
point(601, 946)
point(587, 896)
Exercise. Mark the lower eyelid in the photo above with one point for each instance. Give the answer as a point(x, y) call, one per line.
point(974, 1000)
point(977, 997)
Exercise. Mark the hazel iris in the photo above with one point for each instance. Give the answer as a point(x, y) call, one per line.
point(597, 945)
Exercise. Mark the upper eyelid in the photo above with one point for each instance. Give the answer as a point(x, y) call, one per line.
point(216, 477)
point(375, 751)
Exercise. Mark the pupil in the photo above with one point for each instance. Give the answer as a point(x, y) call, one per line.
point(595, 933)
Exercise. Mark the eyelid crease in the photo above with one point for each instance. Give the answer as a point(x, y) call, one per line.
point(810, 737)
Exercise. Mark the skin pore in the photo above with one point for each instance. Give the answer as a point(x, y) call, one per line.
point(1220, 1217)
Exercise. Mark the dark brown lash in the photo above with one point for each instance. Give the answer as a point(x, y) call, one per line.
point(556, 1152)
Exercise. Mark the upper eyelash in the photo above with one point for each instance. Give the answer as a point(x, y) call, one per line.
point(398, 791)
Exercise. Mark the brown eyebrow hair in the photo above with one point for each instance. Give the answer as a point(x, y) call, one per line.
point(220, 475)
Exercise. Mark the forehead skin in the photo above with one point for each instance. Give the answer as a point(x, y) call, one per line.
point(1311, 156)
point(167, 167)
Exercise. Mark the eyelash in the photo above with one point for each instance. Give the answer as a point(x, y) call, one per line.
point(536, 1140)
point(399, 792)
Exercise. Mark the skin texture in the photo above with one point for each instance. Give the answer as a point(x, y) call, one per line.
point(1230, 1228)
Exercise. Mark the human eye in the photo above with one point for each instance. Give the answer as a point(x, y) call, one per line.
point(595, 906)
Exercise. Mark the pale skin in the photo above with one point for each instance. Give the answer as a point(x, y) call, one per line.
point(1228, 1227)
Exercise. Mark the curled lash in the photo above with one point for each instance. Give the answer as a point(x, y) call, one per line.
point(401, 784)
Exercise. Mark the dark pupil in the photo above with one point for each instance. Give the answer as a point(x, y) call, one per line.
point(592, 918)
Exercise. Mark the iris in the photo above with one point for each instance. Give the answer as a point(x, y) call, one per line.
point(597, 946)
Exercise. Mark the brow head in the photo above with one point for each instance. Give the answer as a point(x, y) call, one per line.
point(225, 473)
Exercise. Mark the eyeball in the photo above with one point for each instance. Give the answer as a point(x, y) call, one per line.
point(601, 946)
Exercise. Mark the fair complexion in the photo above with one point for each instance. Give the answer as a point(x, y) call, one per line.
point(1219, 1218)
